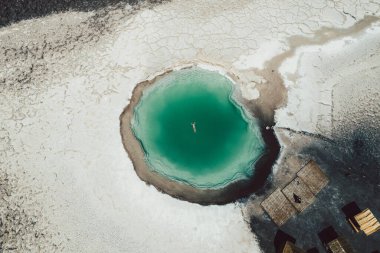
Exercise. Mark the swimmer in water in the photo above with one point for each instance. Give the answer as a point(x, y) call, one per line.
point(194, 127)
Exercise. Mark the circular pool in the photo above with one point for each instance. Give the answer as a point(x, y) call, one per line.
point(193, 131)
point(188, 134)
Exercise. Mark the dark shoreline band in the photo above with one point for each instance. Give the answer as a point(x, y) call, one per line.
point(228, 194)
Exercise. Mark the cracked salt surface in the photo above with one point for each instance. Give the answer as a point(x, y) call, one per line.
point(65, 78)
point(319, 70)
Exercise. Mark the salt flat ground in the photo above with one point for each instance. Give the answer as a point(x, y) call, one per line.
point(67, 184)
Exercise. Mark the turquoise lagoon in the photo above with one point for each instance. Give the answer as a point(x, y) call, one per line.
point(193, 131)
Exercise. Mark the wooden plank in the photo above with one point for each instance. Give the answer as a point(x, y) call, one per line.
point(372, 230)
point(353, 226)
point(366, 219)
point(313, 176)
point(278, 207)
point(300, 189)
point(363, 214)
point(368, 223)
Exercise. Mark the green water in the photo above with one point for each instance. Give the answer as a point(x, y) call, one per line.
point(224, 144)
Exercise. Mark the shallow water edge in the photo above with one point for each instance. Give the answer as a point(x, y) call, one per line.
point(227, 194)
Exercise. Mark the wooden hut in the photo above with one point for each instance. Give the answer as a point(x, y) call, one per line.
point(365, 221)
point(291, 248)
point(338, 245)
point(332, 242)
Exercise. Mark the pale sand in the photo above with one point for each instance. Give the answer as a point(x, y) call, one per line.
point(65, 79)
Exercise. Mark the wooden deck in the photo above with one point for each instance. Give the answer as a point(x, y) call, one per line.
point(298, 187)
point(278, 207)
point(313, 176)
point(281, 205)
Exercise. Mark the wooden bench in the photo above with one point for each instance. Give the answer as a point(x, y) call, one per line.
point(365, 221)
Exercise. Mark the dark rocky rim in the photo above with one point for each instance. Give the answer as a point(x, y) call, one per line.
point(230, 193)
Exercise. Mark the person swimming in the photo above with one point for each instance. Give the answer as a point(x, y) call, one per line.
point(194, 127)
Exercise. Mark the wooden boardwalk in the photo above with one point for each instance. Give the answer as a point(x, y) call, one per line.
point(313, 176)
point(278, 207)
point(300, 189)
point(284, 203)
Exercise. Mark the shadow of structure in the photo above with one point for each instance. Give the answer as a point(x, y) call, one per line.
point(285, 243)
point(351, 209)
point(280, 240)
point(332, 242)
point(327, 235)
point(313, 250)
